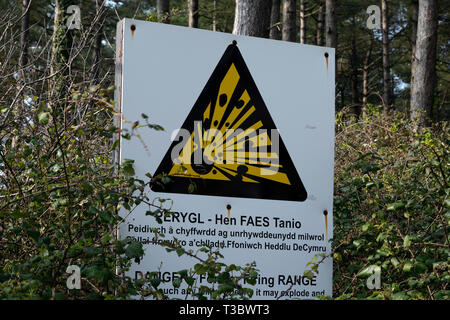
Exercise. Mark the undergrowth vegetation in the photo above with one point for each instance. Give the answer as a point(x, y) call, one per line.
point(60, 197)
point(60, 194)
point(391, 207)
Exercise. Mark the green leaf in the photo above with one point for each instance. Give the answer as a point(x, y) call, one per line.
point(407, 241)
point(105, 216)
point(400, 296)
point(189, 280)
point(92, 251)
point(231, 267)
point(155, 282)
point(249, 292)
point(127, 167)
point(180, 252)
point(224, 288)
point(420, 268)
point(395, 206)
point(223, 277)
point(308, 274)
point(412, 282)
point(34, 234)
point(381, 237)
point(365, 227)
point(165, 179)
point(200, 268)
point(44, 117)
point(407, 267)
point(134, 250)
point(337, 256)
point(177, 282)
point(395, 262)
point(447, 203)
point(27, 151)
point(357, 243)
point(183, 273)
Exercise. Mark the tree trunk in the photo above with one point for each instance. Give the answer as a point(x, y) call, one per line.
point(96, 52)
point(252, 18)
point(356, 107)
point(275, 20)
point(330, 23)
point(163, 10)
point(289, 20)
point(24, 32)
point(214, 21)
point(319, 26)
point(343, 87)
point(386, 64)
point(61, 45)
point(366, 74)
point(414, 14)
point(424, 63)
point(193, 13)
point(302, 21)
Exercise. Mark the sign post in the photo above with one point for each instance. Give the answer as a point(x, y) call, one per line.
point(246, 157)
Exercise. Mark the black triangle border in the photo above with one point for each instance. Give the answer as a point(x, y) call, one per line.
point(266, 190)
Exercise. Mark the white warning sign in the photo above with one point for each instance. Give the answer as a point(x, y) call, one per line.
point(246, 155)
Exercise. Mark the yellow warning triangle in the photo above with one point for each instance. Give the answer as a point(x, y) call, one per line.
point(228, 144)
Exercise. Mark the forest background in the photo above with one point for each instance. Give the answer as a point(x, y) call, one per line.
point(60, 190)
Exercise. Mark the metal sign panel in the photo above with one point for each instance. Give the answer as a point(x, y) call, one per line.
point(248, 150)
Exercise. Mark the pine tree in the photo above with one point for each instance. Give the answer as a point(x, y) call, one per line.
point(289, 20)
point(424, 63)
point(252, 18)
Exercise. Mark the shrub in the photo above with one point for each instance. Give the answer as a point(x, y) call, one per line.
point(391, 207)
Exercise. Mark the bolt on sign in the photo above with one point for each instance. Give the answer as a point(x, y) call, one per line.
point(245, 161)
